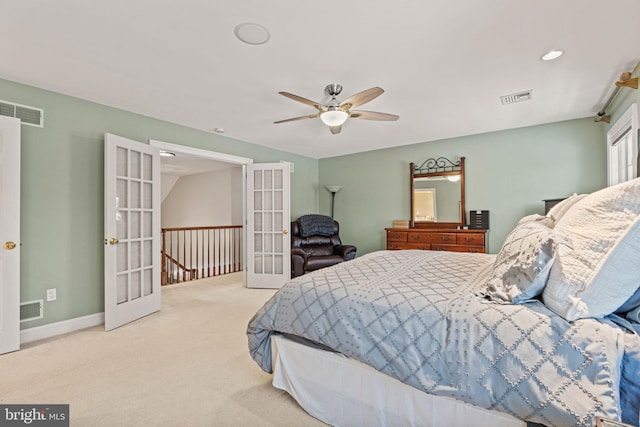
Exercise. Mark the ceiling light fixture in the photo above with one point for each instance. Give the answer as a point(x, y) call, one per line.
point(218, 130)
point(251, 33)
point(552, 54)
point(334, 116)
point(167, 154)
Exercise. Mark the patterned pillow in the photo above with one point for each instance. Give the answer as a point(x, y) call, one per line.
point(522, 266)
point(596, 267)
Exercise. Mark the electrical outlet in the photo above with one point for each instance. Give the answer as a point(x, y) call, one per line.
point(51, 294)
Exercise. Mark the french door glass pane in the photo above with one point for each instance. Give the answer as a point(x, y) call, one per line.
point(122, 288)
point(257, 264)
point(277, 179)
point(122, 225)
point(278, 264)
point(268, 181)
point(257, 180)
point(135, 194)
point(147, 167)
point(122, 163)
point(135, 164)
point(136, 284)
point(135, 225)
point(148, 281)
point(135, 255)
point(122, 255)
point(147, 196)
point(121, 194)
point(257, 200)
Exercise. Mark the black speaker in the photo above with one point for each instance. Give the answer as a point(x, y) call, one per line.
point(479, 220)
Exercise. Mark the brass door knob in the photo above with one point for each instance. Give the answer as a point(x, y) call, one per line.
point(9, 245)
point(113, 241)
point(285, 231)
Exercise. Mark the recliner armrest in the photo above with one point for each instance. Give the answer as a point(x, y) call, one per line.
point(348, 252)
point(299, 252)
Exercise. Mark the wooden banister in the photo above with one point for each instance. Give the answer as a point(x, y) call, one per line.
point(190, 253)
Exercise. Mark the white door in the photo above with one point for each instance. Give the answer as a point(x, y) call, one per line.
point(9, 234)
point(132, 230)
point(268, 218)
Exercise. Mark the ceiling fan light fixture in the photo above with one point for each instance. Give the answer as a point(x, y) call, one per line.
point(334, 117)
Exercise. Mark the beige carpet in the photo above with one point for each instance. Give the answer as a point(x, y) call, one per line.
point(187, 365)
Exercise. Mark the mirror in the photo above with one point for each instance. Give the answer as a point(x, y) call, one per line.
point(437, 193)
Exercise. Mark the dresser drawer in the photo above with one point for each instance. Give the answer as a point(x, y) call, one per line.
point(396, 236)
point(392, 246)
point(458, 248)
point(447, 238)
point(474, 239)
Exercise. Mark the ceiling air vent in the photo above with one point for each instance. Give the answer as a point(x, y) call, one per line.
point(31, 310)
point(517, 97)
point(28, 115)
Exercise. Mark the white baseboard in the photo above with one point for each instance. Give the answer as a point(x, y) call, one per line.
point(59, 328)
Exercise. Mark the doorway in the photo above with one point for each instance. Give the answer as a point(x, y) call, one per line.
point(188, 161)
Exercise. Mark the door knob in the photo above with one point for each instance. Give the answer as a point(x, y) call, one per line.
point(285, 231)
point(9, 245)
point(113, 241)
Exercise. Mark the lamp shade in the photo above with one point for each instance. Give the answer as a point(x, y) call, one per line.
point(333, 188)
point(334, 117)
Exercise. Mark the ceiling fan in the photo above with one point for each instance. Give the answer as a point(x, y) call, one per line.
point(335, 113)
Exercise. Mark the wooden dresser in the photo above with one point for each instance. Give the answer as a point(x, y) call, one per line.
point(454, 240)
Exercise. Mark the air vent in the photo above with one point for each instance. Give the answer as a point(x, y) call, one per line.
point(517, 97)
point(28, 115)
point(31, 310)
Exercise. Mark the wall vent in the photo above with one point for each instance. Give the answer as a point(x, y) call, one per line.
point(28, 115)
point(31, 310)
point(517, 97)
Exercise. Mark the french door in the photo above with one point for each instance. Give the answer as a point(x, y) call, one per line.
point(132, 230)
point(268, 218)
point(9, 234)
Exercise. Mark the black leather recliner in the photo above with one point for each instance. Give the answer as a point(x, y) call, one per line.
point(317, 251)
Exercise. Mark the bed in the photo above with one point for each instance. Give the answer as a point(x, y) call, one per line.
point(441, 338)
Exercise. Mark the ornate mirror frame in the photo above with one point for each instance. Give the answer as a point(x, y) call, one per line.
point(433, 168)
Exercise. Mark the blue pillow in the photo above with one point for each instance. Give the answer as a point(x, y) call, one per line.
point(632, 307)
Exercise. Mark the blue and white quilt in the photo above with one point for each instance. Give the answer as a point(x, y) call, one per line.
point(418, 316)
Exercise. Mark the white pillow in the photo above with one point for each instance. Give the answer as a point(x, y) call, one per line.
point(522, 266)
point(561, 208)
point(597, 265)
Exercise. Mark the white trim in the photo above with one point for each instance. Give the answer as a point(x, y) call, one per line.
point(221, 157)
point(628, 120)
point(59, 328)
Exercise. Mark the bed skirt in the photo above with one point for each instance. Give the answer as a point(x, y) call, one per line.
point(343, 392)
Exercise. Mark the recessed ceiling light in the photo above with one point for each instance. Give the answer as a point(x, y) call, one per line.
point(251, 33)
point(553, 54)
point(167, 154)
point(218, 130)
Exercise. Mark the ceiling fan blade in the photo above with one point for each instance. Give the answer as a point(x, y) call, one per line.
point(335, 129)
point(306, 101)
point(373, 115)
point(310, 116)
point(361, 98)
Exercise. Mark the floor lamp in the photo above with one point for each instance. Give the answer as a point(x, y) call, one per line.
point(333, 189)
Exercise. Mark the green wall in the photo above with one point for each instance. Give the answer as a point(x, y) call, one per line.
point(62, 192)
point(508, 173)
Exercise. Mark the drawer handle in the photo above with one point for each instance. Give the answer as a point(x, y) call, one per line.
point(415, 237)
point(469, 239)
point(446, 238)
point(473, 251)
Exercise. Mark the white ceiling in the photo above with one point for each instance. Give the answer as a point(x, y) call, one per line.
point(443, 63)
